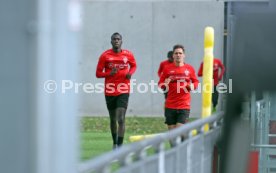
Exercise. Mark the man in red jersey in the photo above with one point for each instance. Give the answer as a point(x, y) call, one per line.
point(218, 71)
point(163, 65)
point(179, 79)
point(117, 66)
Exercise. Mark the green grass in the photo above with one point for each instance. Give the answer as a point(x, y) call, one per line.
point(96, 137)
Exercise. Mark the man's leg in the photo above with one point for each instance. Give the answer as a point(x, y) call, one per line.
point(170, 120)
point(110, 103)
point(120, 113)
point(182, 118)
point(178, 125)
point(215, 96)
point(171, 127)
point(121, 107)
point(172, 142)
point(113, 126)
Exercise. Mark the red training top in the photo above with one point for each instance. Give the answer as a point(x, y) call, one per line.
point(217, 64)
point(182, 77)
point(124, 62)
point(162, 66)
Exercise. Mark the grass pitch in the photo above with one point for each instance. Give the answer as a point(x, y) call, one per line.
point(96, 138)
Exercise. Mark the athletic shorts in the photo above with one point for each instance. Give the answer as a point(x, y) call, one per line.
point(113, 102)
point(174, 116)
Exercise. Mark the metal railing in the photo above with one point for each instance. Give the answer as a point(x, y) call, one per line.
point(260, 139)
point(192, 155)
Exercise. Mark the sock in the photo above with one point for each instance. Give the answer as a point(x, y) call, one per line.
point(114, 137)
point(120, 140)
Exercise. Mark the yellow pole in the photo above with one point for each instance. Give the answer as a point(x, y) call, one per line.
point(141, 137)
point(207, 74)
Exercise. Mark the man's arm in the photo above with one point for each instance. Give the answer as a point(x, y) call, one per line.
point(200, 70)
point(194, 84)
point(164, 81)
point(222, 70)
point(132, 64)
point(160, 70)
point(100, 71)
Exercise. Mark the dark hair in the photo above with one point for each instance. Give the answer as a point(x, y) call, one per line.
point(116, 33)
point(178, 46)
point(170, 54)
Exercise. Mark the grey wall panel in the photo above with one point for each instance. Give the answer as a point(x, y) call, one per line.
point(149, 30)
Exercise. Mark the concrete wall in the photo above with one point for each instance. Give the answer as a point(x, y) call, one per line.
point(149, 30)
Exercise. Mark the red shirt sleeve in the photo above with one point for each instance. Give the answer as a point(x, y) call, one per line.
point(200, 70)
point(160, 69)
point(100, 71)
point(194, 80)
point(222, 70)
point(132, 64)
point(162, 80)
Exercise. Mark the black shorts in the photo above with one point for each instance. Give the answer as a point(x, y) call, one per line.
point(113, 102)
point(174, 116)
